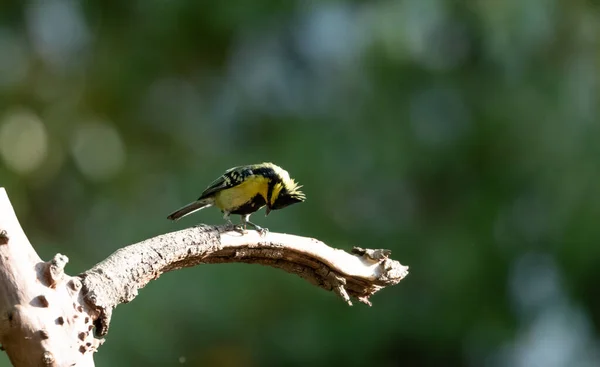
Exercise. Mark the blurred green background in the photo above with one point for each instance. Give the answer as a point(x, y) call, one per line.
point(463, 136)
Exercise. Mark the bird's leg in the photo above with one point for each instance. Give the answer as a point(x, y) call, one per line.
point(226, 217)
point(236, 227)
point(246, 220)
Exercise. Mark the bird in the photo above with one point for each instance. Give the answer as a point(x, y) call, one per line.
point(244, 190)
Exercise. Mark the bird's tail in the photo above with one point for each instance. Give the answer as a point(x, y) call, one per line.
point(190, 208)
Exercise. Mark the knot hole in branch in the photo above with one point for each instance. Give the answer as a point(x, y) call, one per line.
point(3, 237)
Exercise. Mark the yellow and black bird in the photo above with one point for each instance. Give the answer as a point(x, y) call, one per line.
point(245, 189)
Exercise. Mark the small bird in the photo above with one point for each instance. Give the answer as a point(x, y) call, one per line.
point(245, 189)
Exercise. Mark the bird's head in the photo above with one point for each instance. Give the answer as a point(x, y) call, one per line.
point(284, 191)
point(285, 198)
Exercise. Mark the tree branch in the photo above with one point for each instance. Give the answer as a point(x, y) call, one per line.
point(43, 321)
point(118, 278)
point(46, 316)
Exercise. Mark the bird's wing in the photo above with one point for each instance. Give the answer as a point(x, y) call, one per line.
point(231, 178)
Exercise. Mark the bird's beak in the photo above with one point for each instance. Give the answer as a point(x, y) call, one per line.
point(268, 211)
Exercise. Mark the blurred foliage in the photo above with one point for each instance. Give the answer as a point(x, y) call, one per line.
point(461, 135)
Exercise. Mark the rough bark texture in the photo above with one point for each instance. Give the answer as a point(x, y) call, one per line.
point(117, 279)
point(46, 317)
point(43, 318)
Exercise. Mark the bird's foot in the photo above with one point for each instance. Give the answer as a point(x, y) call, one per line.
point(238, 228)
point(261, 230)
point(235, 227)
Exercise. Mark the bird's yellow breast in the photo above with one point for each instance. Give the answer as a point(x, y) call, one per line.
point(234, 197)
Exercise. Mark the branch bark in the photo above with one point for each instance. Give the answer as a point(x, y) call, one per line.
point(44, 320)
point(46, 316)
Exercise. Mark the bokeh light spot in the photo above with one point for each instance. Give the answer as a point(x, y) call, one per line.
point(98, 150)
point(58, 31)
point(23, 141)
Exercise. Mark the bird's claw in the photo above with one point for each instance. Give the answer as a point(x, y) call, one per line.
point(239, 228)
point(242, 230)
point(262, 231)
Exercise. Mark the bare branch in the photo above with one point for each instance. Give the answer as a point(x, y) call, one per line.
point(47, 317)
point(118, 278)
point(34, 297)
